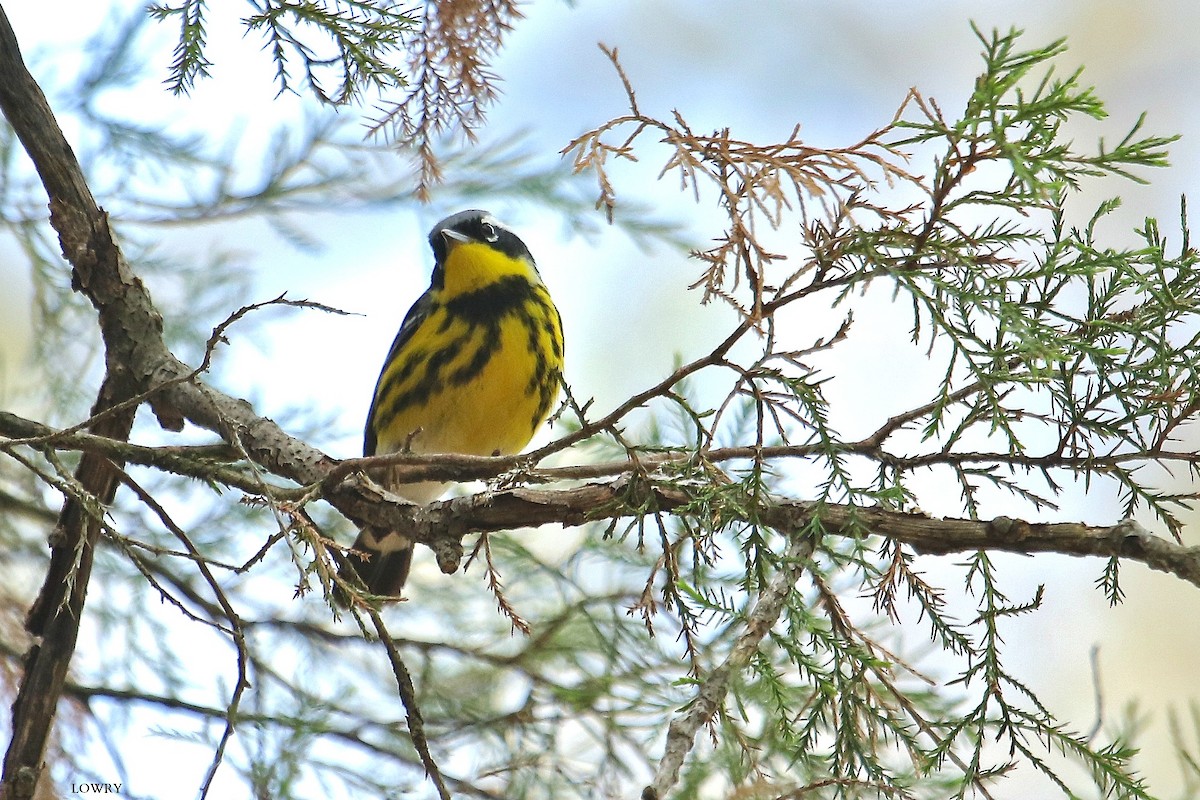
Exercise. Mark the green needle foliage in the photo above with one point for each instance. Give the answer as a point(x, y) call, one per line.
point(351, 41)
point(1061, 360)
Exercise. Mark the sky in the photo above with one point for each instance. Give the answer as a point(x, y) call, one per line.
point(839, 69)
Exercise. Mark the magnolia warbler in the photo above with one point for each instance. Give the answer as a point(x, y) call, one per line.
point(474, 369)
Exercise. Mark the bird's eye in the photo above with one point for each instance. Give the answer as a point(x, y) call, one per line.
point(489, 232)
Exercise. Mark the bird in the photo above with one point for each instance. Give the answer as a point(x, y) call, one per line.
point(474, 369)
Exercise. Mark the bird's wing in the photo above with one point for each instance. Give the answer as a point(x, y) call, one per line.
point(412, 320)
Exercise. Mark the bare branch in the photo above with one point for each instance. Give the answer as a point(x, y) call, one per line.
point(498, 511)
point(710, 694)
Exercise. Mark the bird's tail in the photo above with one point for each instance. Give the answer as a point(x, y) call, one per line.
point(383, 567)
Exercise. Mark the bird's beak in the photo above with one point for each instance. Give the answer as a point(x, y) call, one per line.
point(454, 238)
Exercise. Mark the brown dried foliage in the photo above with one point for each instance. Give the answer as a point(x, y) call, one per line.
point(451, 84)
point(756, 185)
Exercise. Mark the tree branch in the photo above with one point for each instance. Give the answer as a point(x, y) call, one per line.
point(100, 273)
point(709, 698)
point(442, 524)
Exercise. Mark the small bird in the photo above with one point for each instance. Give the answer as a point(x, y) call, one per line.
point(474, 369)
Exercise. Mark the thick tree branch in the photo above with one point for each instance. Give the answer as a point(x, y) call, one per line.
point(442, 525)
point(100, 273)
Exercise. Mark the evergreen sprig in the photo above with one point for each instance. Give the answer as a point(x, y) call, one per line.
point(343, 49)
point(1061, 359)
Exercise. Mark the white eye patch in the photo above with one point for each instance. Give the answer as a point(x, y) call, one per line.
point(491, 227)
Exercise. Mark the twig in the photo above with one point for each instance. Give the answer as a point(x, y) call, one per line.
point(1097, 693)
point(236, 631)
point(408, 695)
point(404, 684)
point(710, 696)
point(496, 585)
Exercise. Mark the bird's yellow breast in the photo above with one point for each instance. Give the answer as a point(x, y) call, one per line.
point(486, 395)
